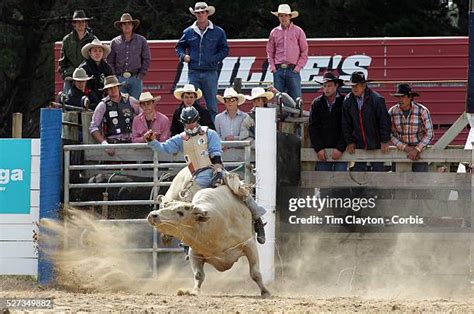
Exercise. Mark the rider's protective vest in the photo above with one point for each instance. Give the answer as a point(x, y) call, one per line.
point(118, 117)
point(196, 151)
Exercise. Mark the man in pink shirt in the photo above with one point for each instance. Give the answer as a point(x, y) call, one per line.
point(150, 119)
point(287, 52)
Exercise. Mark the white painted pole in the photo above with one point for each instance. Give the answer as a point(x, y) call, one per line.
point(265, 159)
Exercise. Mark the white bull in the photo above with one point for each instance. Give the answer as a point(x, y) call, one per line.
point(216, 225)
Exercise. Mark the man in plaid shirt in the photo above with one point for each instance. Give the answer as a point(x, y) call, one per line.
point(412, 129)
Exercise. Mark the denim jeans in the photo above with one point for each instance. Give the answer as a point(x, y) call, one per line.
point(415, 167)
point(375, 166)
point(207, 82)
point(286, 80)
point(331, 166)
point(67, 87)
point(133, 86)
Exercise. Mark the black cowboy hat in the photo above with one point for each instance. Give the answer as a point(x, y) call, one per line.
point(80, 15)
point(404, 89)
point(330, 77)
point(357, 77)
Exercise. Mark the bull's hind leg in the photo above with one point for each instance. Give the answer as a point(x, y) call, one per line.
point(197, 265)
point(251, 253)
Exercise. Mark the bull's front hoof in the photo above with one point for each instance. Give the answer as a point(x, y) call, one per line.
point(183, 292)
point(266, 294)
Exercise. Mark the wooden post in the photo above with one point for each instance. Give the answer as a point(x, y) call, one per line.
point(17, 122)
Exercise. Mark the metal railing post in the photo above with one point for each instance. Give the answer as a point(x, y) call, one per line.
point(247, 160)
point(155, 194)
point(67, 161)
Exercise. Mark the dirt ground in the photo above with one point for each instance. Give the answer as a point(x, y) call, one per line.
point(230, 299)
point(101, 276)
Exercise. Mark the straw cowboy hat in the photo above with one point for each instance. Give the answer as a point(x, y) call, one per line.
point(331, 77)
point(126, 17)
point(80, 75)
point(357, 78)
point(202, 6)
point(231, 93)
point(404, 89)
point(95, 44)
point(111, 81)
point(147, 96)
point(285, 9)
point(80, 15)
point(187, 88)
point(259, 92)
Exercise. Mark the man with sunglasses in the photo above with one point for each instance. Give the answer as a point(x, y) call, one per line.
point(203, 46)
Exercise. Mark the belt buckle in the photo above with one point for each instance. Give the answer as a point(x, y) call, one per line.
point(126, 74)
point(283, 65)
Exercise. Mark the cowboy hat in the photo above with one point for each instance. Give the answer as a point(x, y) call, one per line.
point(95, 44)
point(202, 6)
point(147, 96)
point(404, 89)
point(330, 77)
point(231, 93)
point(111, 81)
point(357, 77)
point(80, 15)
point(80, 75)
point(187, 88)
point(259, 92)
point(285, 9)
point(126, 17)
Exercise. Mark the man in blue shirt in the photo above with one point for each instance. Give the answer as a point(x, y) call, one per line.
point(203, 46)
point(202, 152)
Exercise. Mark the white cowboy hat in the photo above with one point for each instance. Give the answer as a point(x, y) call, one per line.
point(202, 6)
point(95, 44)
point(187, 88)
point(285, 9)
point(80, 75)
point(231, 93)
point(258, 92)
point(111, 81)
point(147, 96)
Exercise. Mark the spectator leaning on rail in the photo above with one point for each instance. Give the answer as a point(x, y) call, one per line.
point(79, 90)
point(202, 151)
point(203, 46)
point(229, 122)
point(412, 129)
point(287, 52)
point(113, 117)
point(365, 121)
point(72, 44)
point(188, 95)
point(325, 125)
point(130, 56)
point(150, 119)
point(95, 65)
point(259, 98)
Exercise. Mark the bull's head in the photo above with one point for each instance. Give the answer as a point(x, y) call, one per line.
point(175, 217)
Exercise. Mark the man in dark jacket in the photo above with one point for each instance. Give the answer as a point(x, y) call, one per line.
point(72, 44)
point(325, 125)
point(203, 46)
point(188, 95)
point(365, 121)
point(78, 90)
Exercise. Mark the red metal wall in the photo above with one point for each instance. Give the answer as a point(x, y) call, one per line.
point(438, 65)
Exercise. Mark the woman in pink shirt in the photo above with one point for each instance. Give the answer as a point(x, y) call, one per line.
point(150, 119)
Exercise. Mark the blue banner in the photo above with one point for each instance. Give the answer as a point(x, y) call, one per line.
point(15, 176)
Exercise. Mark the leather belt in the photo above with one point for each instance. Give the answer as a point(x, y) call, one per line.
point(285, 66)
